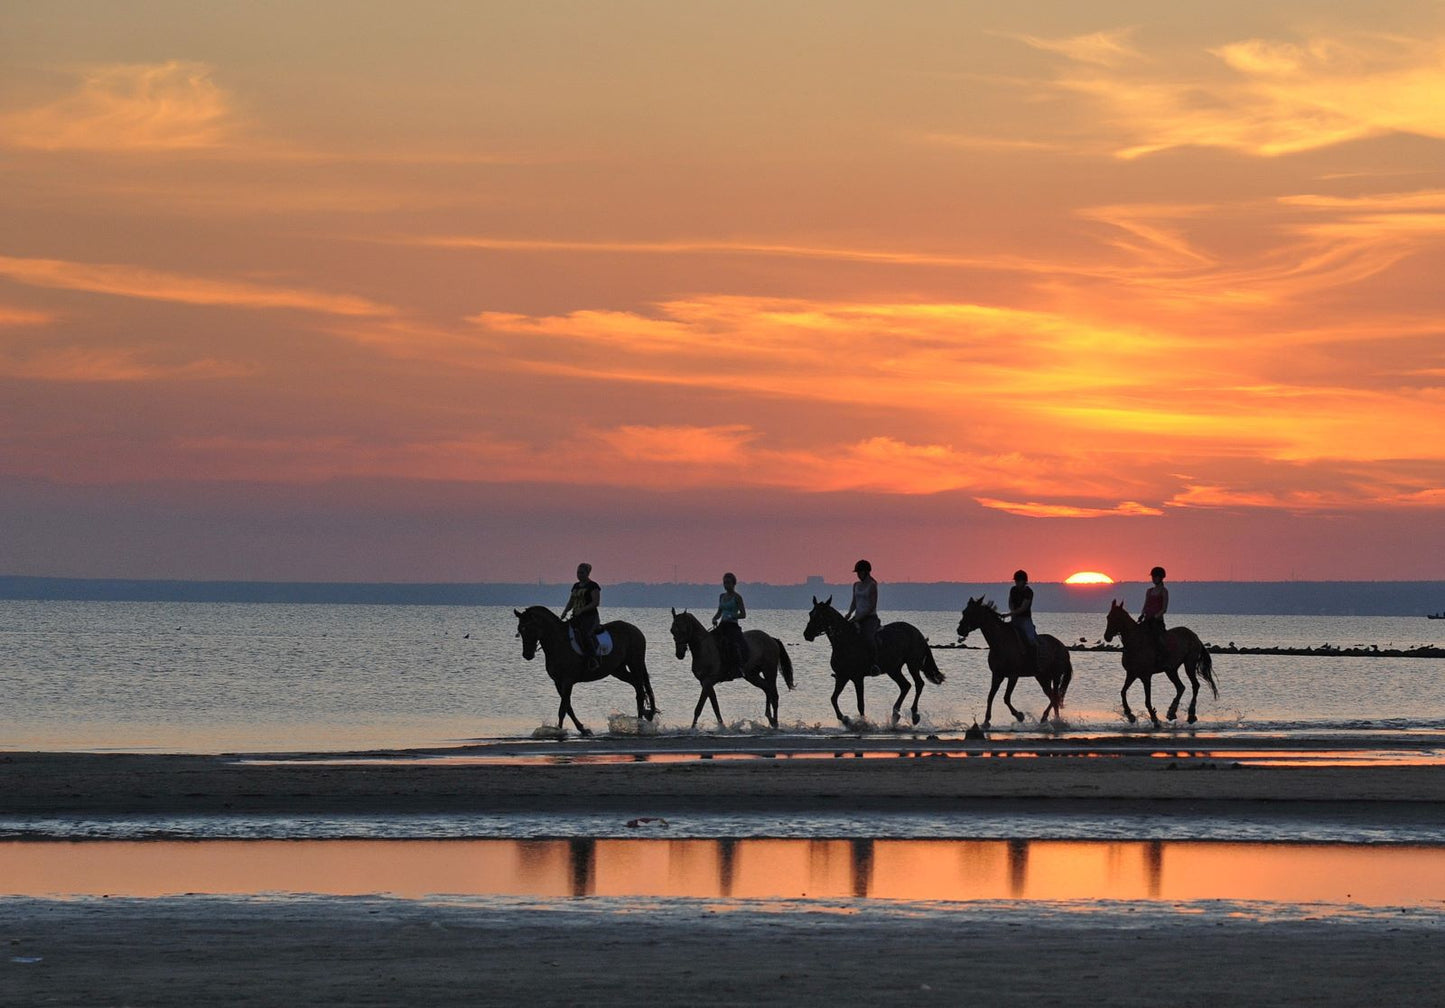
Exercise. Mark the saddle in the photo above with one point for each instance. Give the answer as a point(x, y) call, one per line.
point(604, 642)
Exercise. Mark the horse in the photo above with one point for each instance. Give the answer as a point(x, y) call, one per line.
point(1141, 662)
point(899, 644)
point(627, 661)
point(1009, 659)
point(765, 656)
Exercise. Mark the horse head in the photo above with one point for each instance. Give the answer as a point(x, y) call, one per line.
point(681, 632)
point(819, 618)
point(973, 616)
point(529, 628)
point(1118, 620)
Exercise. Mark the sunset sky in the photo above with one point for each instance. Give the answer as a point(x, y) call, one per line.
point(469, 292)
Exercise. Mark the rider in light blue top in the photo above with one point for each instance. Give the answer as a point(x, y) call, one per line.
point(730, 609)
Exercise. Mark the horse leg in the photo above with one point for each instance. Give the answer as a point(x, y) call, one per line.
point(1124, 698)
point(838, 683)
point(1008, 700)
point(1194, 695)
point(564, 709)
point(917, 693)
point(1148, 700)
point(988, 711)
point(897, 676)
point(1052, 694)
point(701, 700)
point(1173, 675)
point(712, 697)
point(858, 689)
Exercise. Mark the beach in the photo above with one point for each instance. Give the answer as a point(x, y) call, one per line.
point(288, 949)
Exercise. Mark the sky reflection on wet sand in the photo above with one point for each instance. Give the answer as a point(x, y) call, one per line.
point(891, 870)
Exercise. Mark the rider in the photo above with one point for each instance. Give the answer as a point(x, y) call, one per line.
point(730, 609)
point(1021, 614)
point(1156, 604)
point(582, 604)
point(863, 610)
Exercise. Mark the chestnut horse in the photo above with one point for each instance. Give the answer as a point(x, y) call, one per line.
point(766, 655)
point(1141, 661)
point(1009, 659)
point(899, 644)
point(627, 660)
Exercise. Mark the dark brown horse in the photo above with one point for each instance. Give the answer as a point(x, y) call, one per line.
point(1009, 659)
point(899, 644)
point(627, 661)
point(1141, 661)
point(766, 655)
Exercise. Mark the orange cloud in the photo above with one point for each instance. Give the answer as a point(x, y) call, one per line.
point(138, 282)
point(132, 107)
point(1034, 509)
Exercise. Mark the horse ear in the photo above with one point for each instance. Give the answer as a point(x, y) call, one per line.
point(674, 613)
point(815, 600)
point(828, 600)
point(517, 613)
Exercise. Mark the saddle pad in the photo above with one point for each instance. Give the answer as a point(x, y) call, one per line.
point(604, 642)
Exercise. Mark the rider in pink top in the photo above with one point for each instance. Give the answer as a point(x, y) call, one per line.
point(1156, 604)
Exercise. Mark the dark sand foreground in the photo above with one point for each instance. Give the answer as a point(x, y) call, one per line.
point(193, 950)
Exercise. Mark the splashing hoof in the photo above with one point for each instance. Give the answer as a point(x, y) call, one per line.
point(1019, 716)
point(1132, 718)
point(1191, 719)
point(585, 732)
point(916, 718)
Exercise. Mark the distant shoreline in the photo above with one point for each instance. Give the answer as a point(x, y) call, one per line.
point(1260, 598)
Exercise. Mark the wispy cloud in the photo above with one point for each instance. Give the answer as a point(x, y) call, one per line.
point(77, 364)
point(1265, 97)
point(156, 285)
point(129, 107)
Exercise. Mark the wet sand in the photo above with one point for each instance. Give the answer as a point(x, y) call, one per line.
point(592, 951)
point(186, 952)
point(1126, 775)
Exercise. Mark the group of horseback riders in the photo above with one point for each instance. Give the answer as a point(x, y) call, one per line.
point(586, 597)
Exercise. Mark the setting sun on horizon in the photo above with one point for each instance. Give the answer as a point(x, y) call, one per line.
point(1088, 578)
point(470, 292)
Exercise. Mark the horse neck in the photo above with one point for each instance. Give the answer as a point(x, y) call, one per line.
point(992, 628)
point(837, 629)
point(694, 632)
point(553, 635)
point(1130, 632)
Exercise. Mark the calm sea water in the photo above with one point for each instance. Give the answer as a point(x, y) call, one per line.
point(231, 677)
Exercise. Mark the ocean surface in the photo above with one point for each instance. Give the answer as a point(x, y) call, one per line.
point(212, 677)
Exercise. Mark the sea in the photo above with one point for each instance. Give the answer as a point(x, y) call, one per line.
point(264, 678)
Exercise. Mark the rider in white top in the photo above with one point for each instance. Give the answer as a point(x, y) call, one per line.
point(863, 610)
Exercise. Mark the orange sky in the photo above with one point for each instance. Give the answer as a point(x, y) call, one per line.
point(365, 291)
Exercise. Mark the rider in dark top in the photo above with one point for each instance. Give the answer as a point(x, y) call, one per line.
point(582, 604)
point(1021, 614)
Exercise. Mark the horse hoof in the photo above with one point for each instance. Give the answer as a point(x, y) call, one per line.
point(916, 718)
point(1192, 719)
point(585, 732)
point(1132, 718)
point(1018, 717)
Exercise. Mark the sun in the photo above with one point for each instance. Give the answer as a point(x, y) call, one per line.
point(1088, 578)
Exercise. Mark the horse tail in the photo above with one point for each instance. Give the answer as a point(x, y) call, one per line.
point(785, 663)
point(931, 671)
point(1204, 667)
point(1065, 677)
